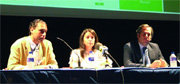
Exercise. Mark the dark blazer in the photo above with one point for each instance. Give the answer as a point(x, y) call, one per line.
point(133, 56)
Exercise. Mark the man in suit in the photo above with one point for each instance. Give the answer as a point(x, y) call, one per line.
point(143, 53)
point(36, 43)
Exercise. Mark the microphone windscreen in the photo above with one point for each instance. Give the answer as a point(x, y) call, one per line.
point(97, 45)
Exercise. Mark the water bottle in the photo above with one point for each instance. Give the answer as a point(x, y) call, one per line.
point(30, 61)
point(91, 59)
point(173, 60)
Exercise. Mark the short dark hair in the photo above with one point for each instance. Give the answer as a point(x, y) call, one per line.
point(34, 23)
point(144, 25)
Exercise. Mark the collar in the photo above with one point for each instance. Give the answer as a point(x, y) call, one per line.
point(141, 47)
point(32, 44)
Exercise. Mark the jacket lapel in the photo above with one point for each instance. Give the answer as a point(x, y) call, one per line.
point(136, 51)
point(27, 46)
point(150, 52)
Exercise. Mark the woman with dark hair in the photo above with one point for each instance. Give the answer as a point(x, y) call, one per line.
point(86, 56)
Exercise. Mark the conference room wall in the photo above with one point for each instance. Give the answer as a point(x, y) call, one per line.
point(113, 33)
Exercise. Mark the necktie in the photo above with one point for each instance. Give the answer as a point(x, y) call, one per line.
point(146, 60)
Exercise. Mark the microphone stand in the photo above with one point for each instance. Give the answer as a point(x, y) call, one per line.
point(79, 64)
point(106, 56)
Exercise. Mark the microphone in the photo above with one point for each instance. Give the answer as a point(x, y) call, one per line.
point(79, 64)
point(104, 50)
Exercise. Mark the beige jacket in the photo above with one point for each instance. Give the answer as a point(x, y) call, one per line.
point(20, 50)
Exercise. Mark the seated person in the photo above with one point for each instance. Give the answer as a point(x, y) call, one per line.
point(35, 42)
point(143, 53)
point(86, 56)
